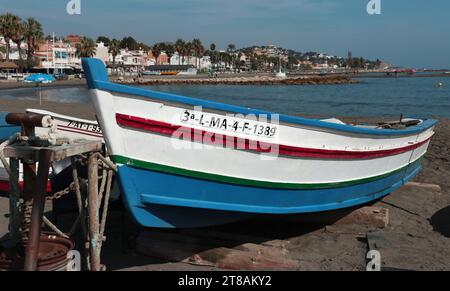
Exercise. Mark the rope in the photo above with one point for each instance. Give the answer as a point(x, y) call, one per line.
point(4, 144)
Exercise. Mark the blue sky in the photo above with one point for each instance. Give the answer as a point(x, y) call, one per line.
point(408, 32)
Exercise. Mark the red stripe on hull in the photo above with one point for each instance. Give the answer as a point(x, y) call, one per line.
point(4, 186)
point(247, 144)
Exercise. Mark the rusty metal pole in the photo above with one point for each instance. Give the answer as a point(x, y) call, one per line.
point(27, 120)
point(32, 250)
point(93, 211)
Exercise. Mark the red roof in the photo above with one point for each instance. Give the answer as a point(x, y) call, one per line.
point(73, 38)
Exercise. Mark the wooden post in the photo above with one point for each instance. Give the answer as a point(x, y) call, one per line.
point(14, 197)
point(35, 187)
point(93, 211)
point(34, 237)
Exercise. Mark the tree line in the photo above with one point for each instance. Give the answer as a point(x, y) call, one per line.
point(18, 31)
point(30, 31)
point(185, 49)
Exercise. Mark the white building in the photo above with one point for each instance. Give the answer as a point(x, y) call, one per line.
point(58, 56)
point(128, 58)
point(14, 52)
point(101, 52)
point(176, 59)
point(203, 63)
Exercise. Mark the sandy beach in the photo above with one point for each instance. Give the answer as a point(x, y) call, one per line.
point(11, 84)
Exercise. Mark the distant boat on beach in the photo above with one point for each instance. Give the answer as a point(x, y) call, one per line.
point(280, 74)
point(186, 162)
point(170, 70)
point(71, 127)
point(188, 72)
point(151, 73)
point(173, 73)
point(67, 127)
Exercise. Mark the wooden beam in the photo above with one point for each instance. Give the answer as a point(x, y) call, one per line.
point(432, 187)
point(370, 215)
point(198, 250)
point(58, 152)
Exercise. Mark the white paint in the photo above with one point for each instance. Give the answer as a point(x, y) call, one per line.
point(159, 149)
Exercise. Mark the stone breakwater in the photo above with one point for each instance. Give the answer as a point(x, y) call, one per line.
point(257, 80)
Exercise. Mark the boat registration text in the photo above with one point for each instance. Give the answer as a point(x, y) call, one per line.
point(230, 124)
point(84, 126)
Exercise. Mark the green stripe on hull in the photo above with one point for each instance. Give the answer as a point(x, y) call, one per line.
point(246, 182)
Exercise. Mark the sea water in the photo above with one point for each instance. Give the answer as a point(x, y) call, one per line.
point(416, 97)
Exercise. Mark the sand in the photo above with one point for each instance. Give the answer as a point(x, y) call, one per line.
point(80, 110)
point(60, 83)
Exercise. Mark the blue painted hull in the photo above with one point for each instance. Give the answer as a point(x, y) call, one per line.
point(6, 130)
point(174, 192)
point(156, 199)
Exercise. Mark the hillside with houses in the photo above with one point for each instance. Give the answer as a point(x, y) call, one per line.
point(25, 48)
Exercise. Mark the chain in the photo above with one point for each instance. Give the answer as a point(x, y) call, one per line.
point(27, 208)
point(27, 205)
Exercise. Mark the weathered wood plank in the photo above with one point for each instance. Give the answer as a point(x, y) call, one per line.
point(58, 152)
point(235, 237)
point(432, 187)
point(200, 250)
point(370, 215)
point(232, 259)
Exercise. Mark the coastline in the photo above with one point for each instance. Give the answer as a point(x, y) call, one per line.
point(13, 84)
point(242, 80)
point(263, 79)
point(223, 79)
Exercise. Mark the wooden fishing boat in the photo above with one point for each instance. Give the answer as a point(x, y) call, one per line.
point(67, 127)
point(6, 130)
point(185, 162)
point(71, 127)
point(169, 73)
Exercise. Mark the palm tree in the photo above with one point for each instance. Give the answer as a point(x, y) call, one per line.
point(12, 30)
point(212, 47)
point(198, 49)
point(156, 51)
point(179, 47)
point(169, 49)
point(33, 35)
point(17, 34)
point(3, 33)
point(231, 47)
point(85, 49)
point(188, 50)
point(114, 50)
